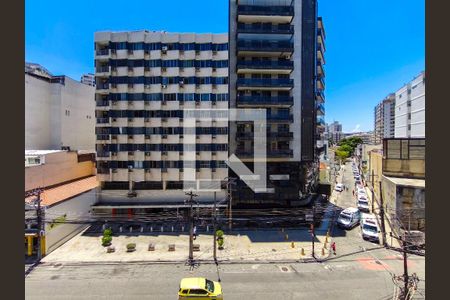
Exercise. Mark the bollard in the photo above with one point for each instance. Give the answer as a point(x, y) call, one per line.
point(142, 228)
point(302, 252)
point(323, 252)
point(120, 228)
point(292, 245)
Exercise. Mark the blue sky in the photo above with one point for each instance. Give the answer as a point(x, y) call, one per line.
point(373, 46)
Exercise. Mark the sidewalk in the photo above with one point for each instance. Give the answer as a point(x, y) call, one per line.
point(389, 241)
point(274, 245)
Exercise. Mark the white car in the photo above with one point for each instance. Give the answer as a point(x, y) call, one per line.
point(339, 187)
point(363, 204)
point(349, 218)
point(369, 227)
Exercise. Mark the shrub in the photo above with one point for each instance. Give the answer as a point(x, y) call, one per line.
point(107, 232)
point(219, 233)
point(220, 242)
point(131, 246)
point(106, 240)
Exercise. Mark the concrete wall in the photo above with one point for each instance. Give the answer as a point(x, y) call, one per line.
point(77, 208)
point(418, 106)
point(59, 115)
point(59, 167)
point(411, 168)
point(375, 163)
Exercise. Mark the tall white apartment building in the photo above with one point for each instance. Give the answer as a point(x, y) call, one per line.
point(88, 79)
point(144, 81)
point(59, 111)
point(410, 109)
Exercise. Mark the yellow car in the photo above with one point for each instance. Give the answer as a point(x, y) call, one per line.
point(199, 288)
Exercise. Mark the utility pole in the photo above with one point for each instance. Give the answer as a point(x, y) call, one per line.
point(383, 229)
point(230, 182)
point(405, 272)
point(39, 218)
point(190, 202)
point(373, 193)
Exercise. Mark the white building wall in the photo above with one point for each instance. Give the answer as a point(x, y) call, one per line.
point(59, 115)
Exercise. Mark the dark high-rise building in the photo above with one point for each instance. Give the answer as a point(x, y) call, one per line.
point(276, 63)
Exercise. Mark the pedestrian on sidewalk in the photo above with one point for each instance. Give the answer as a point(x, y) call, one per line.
point(195, 232)
point(333, 247)
point(353, 192)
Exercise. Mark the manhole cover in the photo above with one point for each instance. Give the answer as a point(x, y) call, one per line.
point(284, 269)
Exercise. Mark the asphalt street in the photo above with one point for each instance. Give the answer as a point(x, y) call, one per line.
point(360, 270)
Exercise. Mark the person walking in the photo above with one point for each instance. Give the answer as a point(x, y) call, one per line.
point(353, 192)
point(333, 247)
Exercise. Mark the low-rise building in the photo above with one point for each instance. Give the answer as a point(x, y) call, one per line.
point(67, 181)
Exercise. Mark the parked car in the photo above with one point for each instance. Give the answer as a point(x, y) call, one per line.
point(369, 227)
point(199, 288)
point(349, 218)
point(339, 187)
point(363, 204)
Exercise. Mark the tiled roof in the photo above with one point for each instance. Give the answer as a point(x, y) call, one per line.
point(60, 193)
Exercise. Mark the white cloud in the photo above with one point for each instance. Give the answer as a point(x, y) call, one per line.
point(356, 129)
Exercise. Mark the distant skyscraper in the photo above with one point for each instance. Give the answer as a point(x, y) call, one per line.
point(384, 113)
point(335, 132)
point(88, 79)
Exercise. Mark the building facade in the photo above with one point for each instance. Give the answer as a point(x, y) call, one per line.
point(88, 79)
point(59, 112)
point(145, 80)
point(410, 109)
point(335, 133)
point(276, 63)
point(384, 113)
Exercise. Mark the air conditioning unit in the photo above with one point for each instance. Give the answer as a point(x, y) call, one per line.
point(214, 102)
point(213, 169)
point(130, 137)
point(130, 119)
point(130, 103)
point(181, 83)
point(146, 120)
point(164, 136)
point(114, 102)
point(181, 51)
point(164, 86)
point(148, 170)
point(164, 170)
point(214, 136)
point(114, 170)
point(163, 69)
point(181, 69)
point(214, 52)
point(163, 119)
point(114, 137)
point(214, 69)
point(164, 102)
point(147, 137)
point(113, 51)
point(147, 86)
point(114, 119)
point(197, 86)
point(113, 153)
point(197, 52)
point(197, 137)
point(147, 153)
point(197, 102)
point(146, 52)
point(181, 136)
point(197, 153)
point(130, 69)
point(113, 85)
point(214, 86)
point(130, 153)
point(197, 69)
point(164, 153)
point(146, 69)
point(164, 48)
point(130, 51)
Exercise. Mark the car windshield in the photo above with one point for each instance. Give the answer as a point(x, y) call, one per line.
point(370, 228)
point(210, 285)
point(345, 217)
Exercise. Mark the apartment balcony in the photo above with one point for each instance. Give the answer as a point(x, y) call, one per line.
point(249, 136)
point(281, 153)
point(280, 118)
point(102, 103)
point(102, 137)
point(320, 56)
point(320, 109)
point(284, 84)
point(320, 96)
point(320, 71)
point(102, 71)
point(102, 88)
point(102, 54)
point(320, 83)
point(268, 48)
point(260, 13)
point(320, 121)
point(265, 66)
point(265, 28)
point(103, 155)
point(275, 101)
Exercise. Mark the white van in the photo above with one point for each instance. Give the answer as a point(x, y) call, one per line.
point(369, 227)
point(349, 218)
